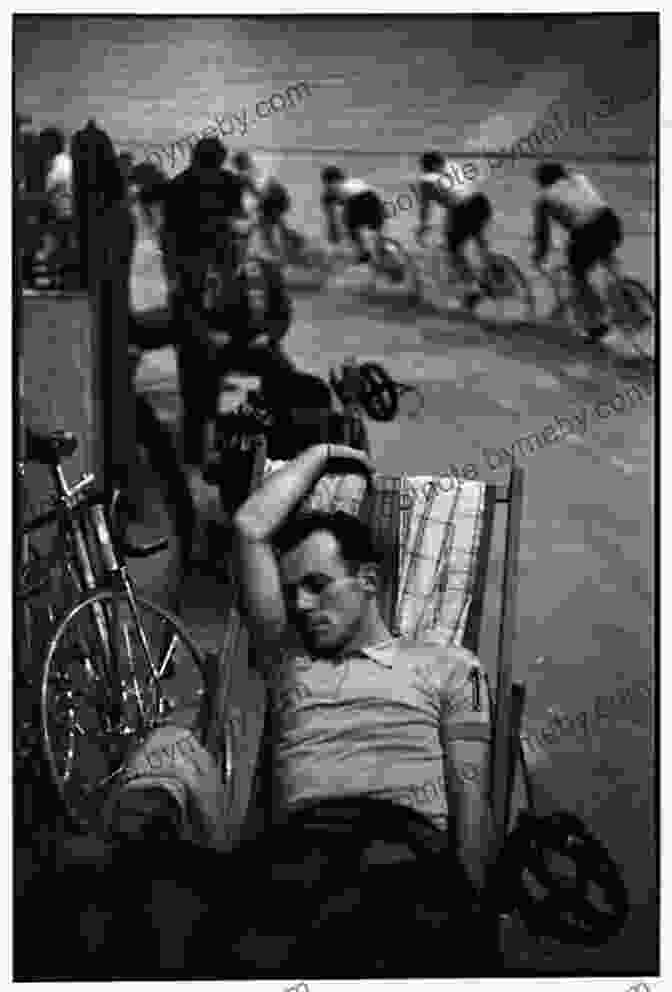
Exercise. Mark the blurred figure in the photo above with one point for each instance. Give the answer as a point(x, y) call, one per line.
point(29, 175)
point(199, 206)
point(467, 213)
point(273, 203)
point(361, 208)
point(98, 183)
point(571, 200)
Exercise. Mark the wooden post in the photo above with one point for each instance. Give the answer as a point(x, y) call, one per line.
point(111, 248)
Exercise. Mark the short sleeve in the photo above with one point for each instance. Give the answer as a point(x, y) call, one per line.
point(463, 695)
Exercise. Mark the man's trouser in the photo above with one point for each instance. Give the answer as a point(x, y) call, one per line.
point(197, 374)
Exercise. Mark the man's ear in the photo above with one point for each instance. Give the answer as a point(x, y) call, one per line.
point(368, 577)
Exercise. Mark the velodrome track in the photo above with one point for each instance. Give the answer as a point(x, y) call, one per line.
point(585, 596)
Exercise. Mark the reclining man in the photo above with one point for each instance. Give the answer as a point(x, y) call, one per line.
point(358, 714)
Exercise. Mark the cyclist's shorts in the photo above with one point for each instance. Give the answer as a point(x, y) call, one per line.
point(364, 210)
point(467, 219)
point(596, 241)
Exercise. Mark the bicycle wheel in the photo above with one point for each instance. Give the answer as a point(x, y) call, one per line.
point(305, 260)
point(90, 718)
point(507, 289)
point(632, 310)
point(396, 272)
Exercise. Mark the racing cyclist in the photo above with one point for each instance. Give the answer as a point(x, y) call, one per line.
point(467, 214)
point(361, 209)
point(273, 203)
point(595, 231)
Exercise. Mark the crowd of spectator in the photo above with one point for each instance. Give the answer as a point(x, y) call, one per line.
point(57, 183)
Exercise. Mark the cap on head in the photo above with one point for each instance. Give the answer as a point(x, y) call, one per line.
point(332, 174)
point(432, 162)
point(209, 153)
point(549, 173)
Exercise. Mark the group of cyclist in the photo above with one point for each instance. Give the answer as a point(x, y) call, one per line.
point(197, 199)
point(206, 209)
point(567, 197)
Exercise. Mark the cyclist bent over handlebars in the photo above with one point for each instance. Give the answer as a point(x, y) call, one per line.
point(595, 231)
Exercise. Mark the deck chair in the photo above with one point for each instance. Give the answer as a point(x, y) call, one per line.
point(437, 535)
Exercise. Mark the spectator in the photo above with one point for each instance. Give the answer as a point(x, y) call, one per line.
point(98, 183)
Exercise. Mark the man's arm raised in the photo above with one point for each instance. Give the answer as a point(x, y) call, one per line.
point(257, 522)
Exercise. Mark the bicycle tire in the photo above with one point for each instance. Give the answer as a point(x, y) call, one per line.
point(73, 678)
point(406, 271)
point(380, 397)
point(503, 279)
point(633, 312)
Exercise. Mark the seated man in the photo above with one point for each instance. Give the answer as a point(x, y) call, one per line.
point(595, 231)
point(467, 213)
point(357, 713)
point(362, 209)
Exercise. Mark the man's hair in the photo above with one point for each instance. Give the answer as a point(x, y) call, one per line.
point(356, 541)
point(52, 140)
point(332, 174)
point(209, 153)
point(432, 162)
point(549, 173)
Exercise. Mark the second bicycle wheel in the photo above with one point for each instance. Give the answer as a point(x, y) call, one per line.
point(633, 311)
point(509, 295)
point(396, 274)
point(107, 681)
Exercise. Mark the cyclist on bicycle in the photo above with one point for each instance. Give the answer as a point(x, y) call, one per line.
point(467, 214)
point(362, 209)
point(595, 231)
point(273, 202)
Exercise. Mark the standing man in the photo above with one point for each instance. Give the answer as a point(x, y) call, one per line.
point(199, 206)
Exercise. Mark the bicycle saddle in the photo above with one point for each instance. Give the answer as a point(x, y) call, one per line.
point(49, 449)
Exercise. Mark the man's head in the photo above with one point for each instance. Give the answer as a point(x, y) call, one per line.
point(548, 173)
point(329, 570)
point(209, 153)
point(332, 176)
point(432, 162)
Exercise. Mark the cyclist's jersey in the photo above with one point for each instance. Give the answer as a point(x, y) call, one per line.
point(572, 202)
point(446, 190)
point(346, 190)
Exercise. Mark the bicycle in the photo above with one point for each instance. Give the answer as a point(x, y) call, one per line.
point(372, 388)
point(628, 306)
point(499, 280)
point(109, 652)
point(298, 255)
point(389, 265)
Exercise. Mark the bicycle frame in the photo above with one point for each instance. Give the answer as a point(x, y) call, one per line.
point(84, 536)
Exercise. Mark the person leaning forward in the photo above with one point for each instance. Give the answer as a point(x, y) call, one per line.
point(358, 713)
